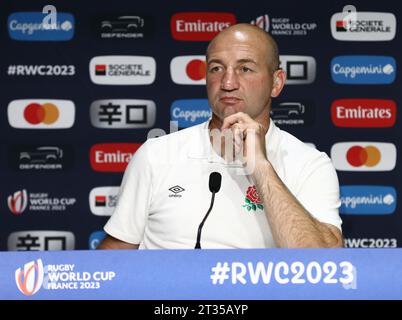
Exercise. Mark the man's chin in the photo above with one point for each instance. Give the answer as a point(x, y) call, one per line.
point(228, 111)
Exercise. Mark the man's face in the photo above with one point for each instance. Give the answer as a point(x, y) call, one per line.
point(238, 76)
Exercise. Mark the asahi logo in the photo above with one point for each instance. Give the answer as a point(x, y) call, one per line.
point(40, 240)
point(123, 113)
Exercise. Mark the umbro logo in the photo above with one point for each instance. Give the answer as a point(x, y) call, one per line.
point(176, 190)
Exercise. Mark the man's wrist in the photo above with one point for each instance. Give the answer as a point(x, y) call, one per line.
point(261, 166)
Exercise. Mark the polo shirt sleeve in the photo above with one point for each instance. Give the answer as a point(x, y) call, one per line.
point(128, 221)
point(319, 190)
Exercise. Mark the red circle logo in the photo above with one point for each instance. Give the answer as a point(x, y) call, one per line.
point(196, 69)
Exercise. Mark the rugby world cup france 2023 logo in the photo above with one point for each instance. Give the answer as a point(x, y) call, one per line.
point(29, 279)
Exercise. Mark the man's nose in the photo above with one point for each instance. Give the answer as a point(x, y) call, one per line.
point(229, 80)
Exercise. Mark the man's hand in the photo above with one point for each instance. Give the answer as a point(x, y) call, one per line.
point(248, 137)
point(291, 224)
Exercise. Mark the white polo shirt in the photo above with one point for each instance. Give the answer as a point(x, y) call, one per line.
point(165, 195)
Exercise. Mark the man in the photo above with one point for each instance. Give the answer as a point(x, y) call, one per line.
point(289, 199)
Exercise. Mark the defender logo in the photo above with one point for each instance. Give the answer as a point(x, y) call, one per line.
point(122, 27)
point(40, 157)
point(292, 113)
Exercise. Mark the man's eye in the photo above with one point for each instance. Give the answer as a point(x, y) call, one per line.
point(214, 69)
point(245, 69)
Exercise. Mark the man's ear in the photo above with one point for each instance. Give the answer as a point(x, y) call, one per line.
point(278, 82)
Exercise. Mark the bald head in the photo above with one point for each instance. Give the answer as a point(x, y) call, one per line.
point(250, 33)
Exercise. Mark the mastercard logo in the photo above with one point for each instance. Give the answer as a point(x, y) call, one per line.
point(46, 113)
point(188, 70)
point(368, 156)
point(41, 114)
point(364, 156)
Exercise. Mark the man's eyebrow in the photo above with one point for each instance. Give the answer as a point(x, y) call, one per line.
point(215, 61)
point(246, 60)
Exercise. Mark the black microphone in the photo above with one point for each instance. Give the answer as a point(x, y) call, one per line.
point(215, 180)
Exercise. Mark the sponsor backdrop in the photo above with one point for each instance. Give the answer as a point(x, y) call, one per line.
point(84, 84)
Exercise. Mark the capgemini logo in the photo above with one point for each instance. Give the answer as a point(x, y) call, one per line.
point(30, 279)
point(388, 69)
point(388, 199)
point(17, 202)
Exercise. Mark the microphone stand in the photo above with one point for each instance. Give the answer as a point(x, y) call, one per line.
point(198, 244)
